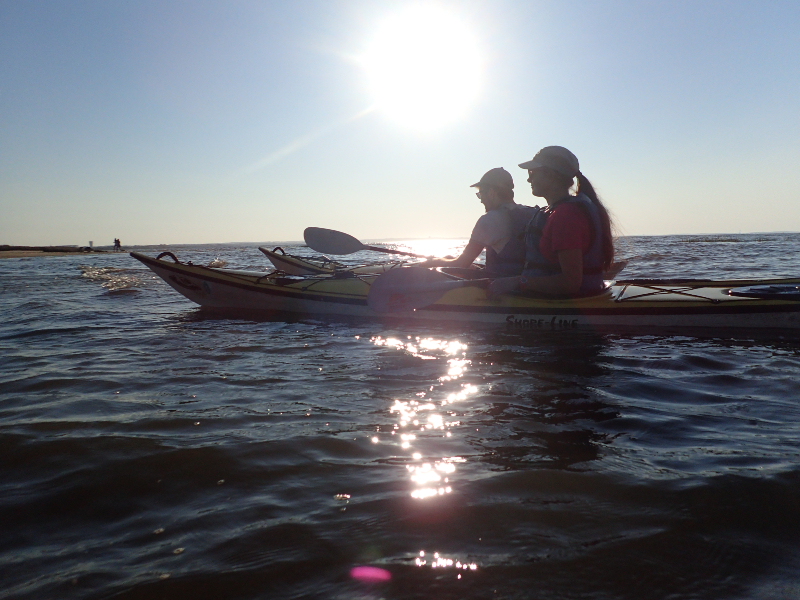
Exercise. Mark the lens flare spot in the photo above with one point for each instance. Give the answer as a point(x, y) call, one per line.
point(370, 574)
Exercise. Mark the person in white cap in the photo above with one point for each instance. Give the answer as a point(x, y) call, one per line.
point(568, 244)
point(500, 231)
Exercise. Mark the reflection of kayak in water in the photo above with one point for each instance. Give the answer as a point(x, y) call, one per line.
point(296, 265)
point(640, 304)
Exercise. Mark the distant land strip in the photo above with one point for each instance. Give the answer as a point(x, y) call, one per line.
point(7, 251)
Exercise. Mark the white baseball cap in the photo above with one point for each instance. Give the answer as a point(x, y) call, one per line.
point(557, 158)
point(498, 177)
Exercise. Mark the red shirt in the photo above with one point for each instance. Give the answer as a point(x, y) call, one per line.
point(567, 228)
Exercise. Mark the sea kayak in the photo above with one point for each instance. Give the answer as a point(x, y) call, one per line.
point(640, 304)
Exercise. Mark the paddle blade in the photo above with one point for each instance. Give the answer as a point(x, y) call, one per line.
point(329, 241)
point(403, 290)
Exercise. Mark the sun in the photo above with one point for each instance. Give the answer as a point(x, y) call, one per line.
point(424, 67)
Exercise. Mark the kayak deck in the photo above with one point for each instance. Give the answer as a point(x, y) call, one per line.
point(296, 265)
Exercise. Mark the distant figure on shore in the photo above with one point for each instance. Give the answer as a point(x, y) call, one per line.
point(117, 245)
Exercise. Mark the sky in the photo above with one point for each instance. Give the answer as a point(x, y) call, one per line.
point(164, 122)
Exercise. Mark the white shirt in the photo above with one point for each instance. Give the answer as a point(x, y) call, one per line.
point(493, 230)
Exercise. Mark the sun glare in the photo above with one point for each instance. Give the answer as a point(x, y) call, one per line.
point(424, 67)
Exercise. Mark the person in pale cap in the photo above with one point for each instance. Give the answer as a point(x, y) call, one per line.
point(499, 231)
point(556, 158)
point(569, 244)
point(497, 178)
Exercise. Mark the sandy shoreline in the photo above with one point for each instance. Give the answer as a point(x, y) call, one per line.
point(34, 253)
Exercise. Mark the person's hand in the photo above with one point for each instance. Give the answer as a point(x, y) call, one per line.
point(423, 264)
point(502, 285)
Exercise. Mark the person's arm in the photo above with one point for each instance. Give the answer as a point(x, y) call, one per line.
point(566, 283)
point(467, 257)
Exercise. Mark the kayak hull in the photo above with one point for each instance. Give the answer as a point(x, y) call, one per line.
point(654, 305)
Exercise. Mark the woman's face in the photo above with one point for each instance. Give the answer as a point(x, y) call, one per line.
point(545, 183)
point(538, 179)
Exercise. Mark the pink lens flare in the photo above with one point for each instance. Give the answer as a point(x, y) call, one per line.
point(370, 574)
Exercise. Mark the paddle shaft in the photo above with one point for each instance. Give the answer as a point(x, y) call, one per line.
point(391, 251)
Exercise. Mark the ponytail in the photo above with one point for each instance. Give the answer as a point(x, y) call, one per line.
point(585, 187)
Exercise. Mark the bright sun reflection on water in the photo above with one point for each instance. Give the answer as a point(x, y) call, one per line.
point(427, 415)
point(441, 561)
point(434, 247)
point(418, 345)
point(427, 419)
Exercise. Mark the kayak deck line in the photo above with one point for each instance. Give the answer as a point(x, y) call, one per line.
point(656, 291)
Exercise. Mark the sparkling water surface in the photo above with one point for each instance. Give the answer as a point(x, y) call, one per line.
point(151, 450)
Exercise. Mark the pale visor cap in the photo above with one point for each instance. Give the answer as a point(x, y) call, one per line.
point(557, 158)
point(497, 177)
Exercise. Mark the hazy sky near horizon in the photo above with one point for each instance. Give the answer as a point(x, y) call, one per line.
point(199, 122)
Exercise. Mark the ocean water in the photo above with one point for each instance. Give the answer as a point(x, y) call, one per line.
point(150, 450)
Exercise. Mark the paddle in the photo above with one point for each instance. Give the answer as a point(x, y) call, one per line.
point(329, 241)
point(406, 289)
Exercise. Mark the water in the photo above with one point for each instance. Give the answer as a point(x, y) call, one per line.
point(152, 451)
